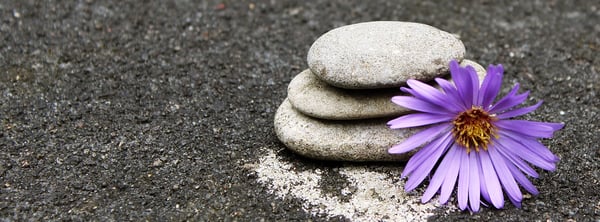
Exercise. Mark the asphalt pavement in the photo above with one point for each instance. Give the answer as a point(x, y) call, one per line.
point(163, 110)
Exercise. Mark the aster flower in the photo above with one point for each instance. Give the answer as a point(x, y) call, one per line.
point(473, 141)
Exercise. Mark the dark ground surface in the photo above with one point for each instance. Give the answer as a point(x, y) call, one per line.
point(138, 110)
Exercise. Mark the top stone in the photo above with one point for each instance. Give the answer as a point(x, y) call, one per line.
point(382, 54)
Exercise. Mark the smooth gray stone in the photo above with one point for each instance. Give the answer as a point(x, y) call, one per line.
point(382, 54)
point(353, 140)
point(313, 97)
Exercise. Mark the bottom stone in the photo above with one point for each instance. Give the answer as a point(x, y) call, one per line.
point(350, 140)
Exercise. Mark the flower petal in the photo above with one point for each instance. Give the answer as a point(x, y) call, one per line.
point(526, 154)
point(413, 103)
point(509, 101)
point(528, 128)
point(462, 192)
point(523, 180)
point(533, 145)
point(423, 154)
point(491, 85)
point(417, 119)
point(541, 150)
point(474, 84)
point(408, 90)
point(418, 139)
point(556, 126)
point(491, 180)
point(515, 202)
point(440, 174)
point(451, 174)
point(451, 92)
point(427, 165)
point(474, 184)
point(516, 160)
point(463, 81)
point(506, 179)
point(519, 111)
point(483, 186)
point(428, 93)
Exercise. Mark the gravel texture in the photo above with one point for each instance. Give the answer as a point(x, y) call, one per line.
point(135, 110)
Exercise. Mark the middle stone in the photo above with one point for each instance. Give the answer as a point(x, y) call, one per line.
point(313, 97)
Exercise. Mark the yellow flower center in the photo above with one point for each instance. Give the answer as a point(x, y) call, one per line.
point(474, 129)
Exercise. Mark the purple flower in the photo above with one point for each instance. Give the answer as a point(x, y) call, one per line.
point(478, 147)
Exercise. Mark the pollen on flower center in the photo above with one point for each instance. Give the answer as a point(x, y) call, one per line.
point(474, 129)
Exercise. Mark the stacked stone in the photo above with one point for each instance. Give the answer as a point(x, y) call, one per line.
point(338, 108)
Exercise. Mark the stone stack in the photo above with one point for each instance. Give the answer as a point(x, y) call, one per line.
point(338, 108)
